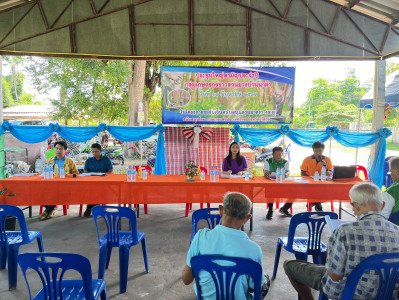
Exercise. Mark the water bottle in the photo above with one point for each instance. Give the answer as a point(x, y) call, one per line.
point(62, 172)
point(50, 171)
point(212, 179)
point(202, 175)
point(282, 175)
point(134, 174)
point(145, 174)
point(278, 175)
point(316, 176)
point(216, 179)
point(323, 173)
point(46, 173)
point(129, 177)
point(247, 176)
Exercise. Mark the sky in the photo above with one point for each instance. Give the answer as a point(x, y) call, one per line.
point(305, 73)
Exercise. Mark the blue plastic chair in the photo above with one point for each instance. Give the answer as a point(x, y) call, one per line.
point(10, 241)
point(225, 277)
point(387, 177)
point(394, 218)
point(304, 246)
point(386, 266)
point(52, 276)
point(205, 214)
point(112, 216)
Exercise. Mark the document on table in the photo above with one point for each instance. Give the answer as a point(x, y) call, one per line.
point(24, 174)
point(93, 174)
point(333, 224)
point(234, 176)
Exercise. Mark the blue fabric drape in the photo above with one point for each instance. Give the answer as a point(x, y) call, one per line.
point(36, 134)
point(261, 137)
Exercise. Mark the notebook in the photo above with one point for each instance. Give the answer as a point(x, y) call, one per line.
point(344, 172)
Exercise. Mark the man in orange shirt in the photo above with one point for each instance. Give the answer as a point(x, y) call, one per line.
point(314, 163)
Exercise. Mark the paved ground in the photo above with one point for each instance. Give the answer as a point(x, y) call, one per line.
point(168, 233)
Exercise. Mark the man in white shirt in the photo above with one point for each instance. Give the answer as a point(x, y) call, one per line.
point(391, 195)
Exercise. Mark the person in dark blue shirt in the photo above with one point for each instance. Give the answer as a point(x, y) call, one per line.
point(98, 163)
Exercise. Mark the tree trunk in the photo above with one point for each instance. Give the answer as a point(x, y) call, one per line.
point(135, 90)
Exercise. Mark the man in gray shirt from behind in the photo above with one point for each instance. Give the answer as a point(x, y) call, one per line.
point(348, 245)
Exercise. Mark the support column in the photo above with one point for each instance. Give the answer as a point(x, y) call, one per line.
point(378, 101)
point(2, 137)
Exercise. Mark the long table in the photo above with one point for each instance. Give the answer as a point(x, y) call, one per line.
point(168, 189)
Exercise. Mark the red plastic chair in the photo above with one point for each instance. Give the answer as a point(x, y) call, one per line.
point(363, 169)
point(189, 206)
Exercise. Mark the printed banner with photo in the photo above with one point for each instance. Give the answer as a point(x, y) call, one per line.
point(217, 95)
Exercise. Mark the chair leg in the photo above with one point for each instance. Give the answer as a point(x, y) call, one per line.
point(123, 267)
point(145, 208)
point(332, 206)
point(291, 210)
point(201, 205)
point(40, 243)
point(80, 210)
point(109, 252)
point(277, 205)
point(65, 209)
point(276, 260)
point(323, 257)
point(41, 210)
point(144, 248)
point(12, 253)
point(208, 205)
point(3, 257)
point(187, 208)
point(102, 261)
point(310, 206)
point(103, 295)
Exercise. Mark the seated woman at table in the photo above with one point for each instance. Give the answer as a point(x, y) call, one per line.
point(234, 163)
point(62, 162)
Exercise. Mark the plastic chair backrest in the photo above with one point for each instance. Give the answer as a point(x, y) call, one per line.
point(363, 169)
point(386, 267)
point(52, 272)
point(315, 222)
point(394, 218)
point(10, 210)
point(225, 277)
point(112, 216)
point(387, 177)
point(205, 214)
point(148, 169)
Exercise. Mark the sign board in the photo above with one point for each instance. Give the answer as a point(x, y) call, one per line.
point(216, 95)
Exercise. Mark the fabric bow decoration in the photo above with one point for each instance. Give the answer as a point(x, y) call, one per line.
point(235, 130)
point(55, 127)
point(385, 132)
point(284, 129)
point(193, 134)
point(6, 125)
point(102, 127)
point(160, 128)
point(332, 130)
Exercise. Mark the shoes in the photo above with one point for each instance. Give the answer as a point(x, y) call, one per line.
point(285, 212)
point(44, 215)
point(87, 212)
point(47, 215)
point(269, 215)
point(318, 207)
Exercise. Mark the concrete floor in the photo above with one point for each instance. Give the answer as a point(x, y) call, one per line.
point(168, 234)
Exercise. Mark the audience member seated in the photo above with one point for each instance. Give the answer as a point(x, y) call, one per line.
point(234, 163)
point(348, 245)
point(61, 161)
point(226, 239)
point(314, 163)
point(99, 163)
point(271, 165)
point(391, 195)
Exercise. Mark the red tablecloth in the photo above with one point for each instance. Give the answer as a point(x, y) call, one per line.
point(165, 189)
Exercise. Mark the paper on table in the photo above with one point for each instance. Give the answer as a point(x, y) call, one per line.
point(300, 180)
point(24, 174)
point(234, 176)
point(93, 174)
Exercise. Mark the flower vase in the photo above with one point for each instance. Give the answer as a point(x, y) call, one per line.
point(190, 178)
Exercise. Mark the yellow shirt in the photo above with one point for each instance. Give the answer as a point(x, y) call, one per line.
point(310, 165)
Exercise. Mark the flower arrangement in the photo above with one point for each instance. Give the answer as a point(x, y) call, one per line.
point(191, 170)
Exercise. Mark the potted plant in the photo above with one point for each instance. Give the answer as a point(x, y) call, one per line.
point(191, 171)
point(11, 220)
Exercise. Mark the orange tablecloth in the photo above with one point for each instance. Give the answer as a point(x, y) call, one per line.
point(164, 189)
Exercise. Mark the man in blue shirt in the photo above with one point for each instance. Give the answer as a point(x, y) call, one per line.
point(98, 164)
point(226, 239)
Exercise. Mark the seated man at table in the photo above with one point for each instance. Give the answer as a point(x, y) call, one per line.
point(98, 164)
point(226, 239)
point(314, 163)
point(348, 245)
point(391, 195)
point(271, 165)
point(61, 161)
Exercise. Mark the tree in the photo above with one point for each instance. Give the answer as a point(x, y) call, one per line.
point(7, 96)
point(97, 88)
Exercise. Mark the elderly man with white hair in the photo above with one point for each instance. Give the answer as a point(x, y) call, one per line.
point(226, 239)
point(348, 245)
